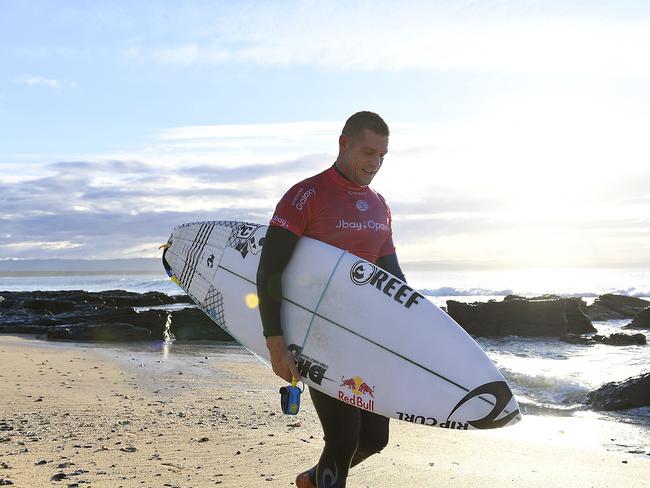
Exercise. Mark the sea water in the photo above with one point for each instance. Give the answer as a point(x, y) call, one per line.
point(549, 377)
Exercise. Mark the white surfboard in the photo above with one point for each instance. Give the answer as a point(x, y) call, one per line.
point(358, 333)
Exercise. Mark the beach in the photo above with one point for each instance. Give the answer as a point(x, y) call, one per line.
point(82, 415)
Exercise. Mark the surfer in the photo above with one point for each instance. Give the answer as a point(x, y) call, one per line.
point(335, 206)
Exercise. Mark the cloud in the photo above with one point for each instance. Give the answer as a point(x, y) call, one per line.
point(30, 80)
point(252, 172)
point(381, 36)
point(456, 194)
point(47, 245)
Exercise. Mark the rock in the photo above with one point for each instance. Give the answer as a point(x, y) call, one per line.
point(50, 306)
point(641, 321)
point(540, 316)
point(193, 324)
point(100, 333)
point(631, 393)
point(619, 339)
point(80, 315)
point(612, 307)
point(5, 482)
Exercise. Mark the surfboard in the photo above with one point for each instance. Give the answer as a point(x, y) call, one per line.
point(358, 333)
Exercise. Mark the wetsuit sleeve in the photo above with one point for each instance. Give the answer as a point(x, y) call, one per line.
point(387, 247)
point(390, 264)
point(278, 248)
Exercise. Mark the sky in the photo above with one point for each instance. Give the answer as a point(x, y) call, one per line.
point(516, 126)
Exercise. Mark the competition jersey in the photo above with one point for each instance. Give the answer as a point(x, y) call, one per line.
point(332, 209)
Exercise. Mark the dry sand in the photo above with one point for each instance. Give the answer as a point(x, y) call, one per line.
point(72, 415)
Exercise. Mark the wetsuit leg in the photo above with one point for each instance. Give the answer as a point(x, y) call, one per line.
point(351, 435)
point(341, 425)
point(373, 436)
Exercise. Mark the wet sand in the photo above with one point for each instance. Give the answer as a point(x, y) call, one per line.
point(72, 415)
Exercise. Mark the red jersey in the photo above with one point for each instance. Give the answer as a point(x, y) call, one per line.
point(332, 209)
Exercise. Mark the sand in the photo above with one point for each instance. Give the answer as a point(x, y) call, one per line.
point(74, 415)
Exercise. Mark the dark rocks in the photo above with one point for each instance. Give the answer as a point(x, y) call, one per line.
point(641, 321)
point(103, 316)
point(612, 307)
point(193, 324)
point(50, 306)
point(541, 316)
point(616, 339)
point(621, 339)
point(631, 393)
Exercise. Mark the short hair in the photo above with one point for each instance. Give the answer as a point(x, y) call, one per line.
point(360, 121)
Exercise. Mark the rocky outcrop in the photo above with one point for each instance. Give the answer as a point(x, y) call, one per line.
point(621, 339)
point(103, 316)
point(193, 324)
point(616, 339)
point(612, 307)
point(631, 393)
point(641, 321)
point(540, 316)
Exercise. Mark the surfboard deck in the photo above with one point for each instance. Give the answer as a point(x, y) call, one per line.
point(359, 334)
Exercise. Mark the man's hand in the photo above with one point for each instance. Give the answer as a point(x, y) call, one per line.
point(283, 362)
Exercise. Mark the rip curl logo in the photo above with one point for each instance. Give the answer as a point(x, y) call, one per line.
point(253, 242)
point(362, 205)
point(502, 395)
point(362, 272)
point(244, 231)
point(330, 477)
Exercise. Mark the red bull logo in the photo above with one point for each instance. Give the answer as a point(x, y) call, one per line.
point(360, 391)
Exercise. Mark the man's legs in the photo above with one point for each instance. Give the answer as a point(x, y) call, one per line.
point(373, 436)
point(351, 435)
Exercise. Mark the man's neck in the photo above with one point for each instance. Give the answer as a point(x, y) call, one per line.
point(336, 167)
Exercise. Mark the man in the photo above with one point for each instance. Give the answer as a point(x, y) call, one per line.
point(315, 207)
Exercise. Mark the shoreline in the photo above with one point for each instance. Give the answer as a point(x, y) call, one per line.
point(195, 418)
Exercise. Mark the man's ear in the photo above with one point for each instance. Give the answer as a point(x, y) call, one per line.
point(344, 142)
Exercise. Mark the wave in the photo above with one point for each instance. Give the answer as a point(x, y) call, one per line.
point(547, 391)
point(449, 291)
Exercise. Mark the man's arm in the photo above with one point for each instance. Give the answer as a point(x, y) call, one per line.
point(278, 248)
point(389, 263)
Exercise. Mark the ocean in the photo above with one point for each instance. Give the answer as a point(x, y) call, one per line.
point(549, 377)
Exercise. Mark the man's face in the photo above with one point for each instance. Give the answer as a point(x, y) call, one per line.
point(362, 156)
